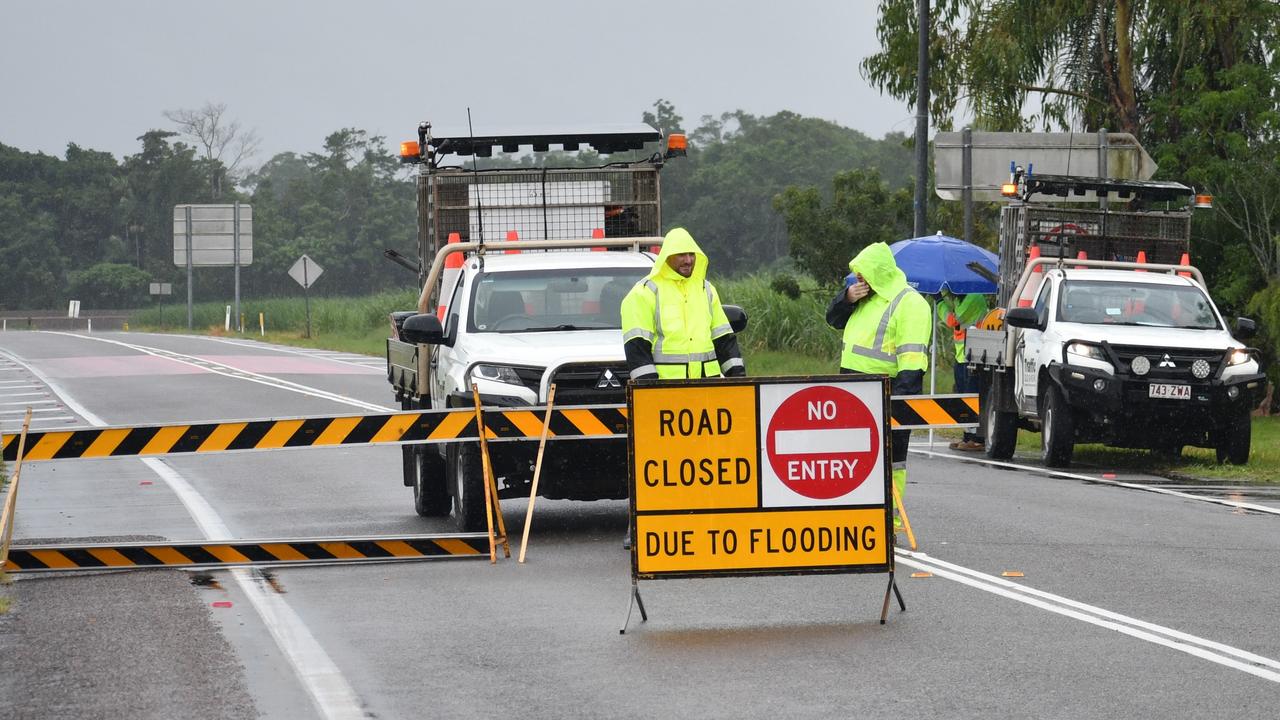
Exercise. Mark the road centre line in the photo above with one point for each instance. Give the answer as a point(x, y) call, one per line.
point(1102, 481)
point(330, 692)
point(1212, 651)
point(228, 371)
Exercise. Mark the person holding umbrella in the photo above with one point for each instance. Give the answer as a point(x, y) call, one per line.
point(960, 312)
point(886, 328)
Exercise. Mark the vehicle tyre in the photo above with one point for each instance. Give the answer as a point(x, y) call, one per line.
point(1002, 428)
point(468, 486)
point(1232, 439)
point(1058, 433)
point(430, 484)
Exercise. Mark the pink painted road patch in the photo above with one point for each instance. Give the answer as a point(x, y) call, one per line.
point(116, 366)
point(135, 365)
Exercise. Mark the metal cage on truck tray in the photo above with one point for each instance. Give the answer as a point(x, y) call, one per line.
point(1163, 235)
point(538, 204)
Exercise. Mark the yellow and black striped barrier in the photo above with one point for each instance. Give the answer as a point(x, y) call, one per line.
point(240, 553)
point(423, 426)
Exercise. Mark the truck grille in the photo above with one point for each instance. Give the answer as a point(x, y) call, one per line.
point(591, 383)
point(1182, 360)
point(582, 383)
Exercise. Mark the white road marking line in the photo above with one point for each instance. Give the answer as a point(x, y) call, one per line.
point(13, 395)
point(1103, 481)
point(1212, 651)
point(33, 410)
point(331, 355)
point(31, 402)
point(228, 371)
point(332, 695)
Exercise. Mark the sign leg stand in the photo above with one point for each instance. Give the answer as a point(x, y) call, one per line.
point(635, 601)
point(893, 586)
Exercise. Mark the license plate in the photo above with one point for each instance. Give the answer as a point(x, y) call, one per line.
point(1168, 391)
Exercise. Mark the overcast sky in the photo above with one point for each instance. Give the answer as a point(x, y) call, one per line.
point(100, 73)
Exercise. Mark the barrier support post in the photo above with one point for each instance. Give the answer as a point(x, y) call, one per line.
point(537, 470)
point(492, 506)
point(906, 522)
point(11, 500)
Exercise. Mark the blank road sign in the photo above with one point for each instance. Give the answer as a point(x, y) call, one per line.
point(305, 271)
point(213, 239)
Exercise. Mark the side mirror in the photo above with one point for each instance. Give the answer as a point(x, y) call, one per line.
point(1023, 318)
point(737, 317)
point(1246, 328)
point(397, 322)
point(422, 329)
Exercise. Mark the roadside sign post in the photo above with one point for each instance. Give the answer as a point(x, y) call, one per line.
point(160, 290)
point(760, 476)
point(212, 236)
point(305, 272)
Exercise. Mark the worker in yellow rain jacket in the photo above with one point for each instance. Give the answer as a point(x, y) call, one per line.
point(958, 313)
point(673, 325)
point(886, 332)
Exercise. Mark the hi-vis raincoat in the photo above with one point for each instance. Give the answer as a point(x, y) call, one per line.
point(959, 313)
point(673, 326)
point(887, 331)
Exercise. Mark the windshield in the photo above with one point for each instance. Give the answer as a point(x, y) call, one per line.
point(546, 300)
point(1095, 302)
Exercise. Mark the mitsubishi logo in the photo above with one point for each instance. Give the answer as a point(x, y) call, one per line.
point(1166, 362)
point(609, 380)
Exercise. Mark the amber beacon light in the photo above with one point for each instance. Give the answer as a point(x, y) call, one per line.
point(409, 151)
point(677, 144)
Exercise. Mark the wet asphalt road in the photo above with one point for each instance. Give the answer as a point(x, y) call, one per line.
point(1149, 605)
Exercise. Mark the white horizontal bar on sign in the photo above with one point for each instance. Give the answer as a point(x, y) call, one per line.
point(830, 440)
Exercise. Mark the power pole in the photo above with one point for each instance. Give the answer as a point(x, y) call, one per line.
point(922, 121)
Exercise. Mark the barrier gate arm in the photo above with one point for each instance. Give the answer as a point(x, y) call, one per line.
point(585, 422)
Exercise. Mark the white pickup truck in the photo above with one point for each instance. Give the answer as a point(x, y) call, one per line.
point(1126, 353)
point(511, 317)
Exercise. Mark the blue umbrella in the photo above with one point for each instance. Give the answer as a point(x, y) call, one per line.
point(934, 262)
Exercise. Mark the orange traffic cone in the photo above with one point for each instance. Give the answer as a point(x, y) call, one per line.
point(597, 234)
point(452, 266)
point(1185, 260)
point(512, 235)
point(1082, 255)
point(1033, 283)
point(1142, 258)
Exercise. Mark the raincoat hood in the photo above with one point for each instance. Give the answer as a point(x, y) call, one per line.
point(676, 242)
point(876, 265)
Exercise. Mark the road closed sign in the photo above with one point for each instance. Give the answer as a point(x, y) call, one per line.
point(760, 476)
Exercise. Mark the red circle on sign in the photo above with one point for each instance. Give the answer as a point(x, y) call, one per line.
point(822, 442)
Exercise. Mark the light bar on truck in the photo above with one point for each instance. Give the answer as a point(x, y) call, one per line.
point(1009, 189)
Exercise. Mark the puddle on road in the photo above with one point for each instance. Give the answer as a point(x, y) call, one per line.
point(208, 581)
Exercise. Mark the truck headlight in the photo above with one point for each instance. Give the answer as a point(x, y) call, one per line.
point(1239, 357)
point(1085, 350)
point(496, 373)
